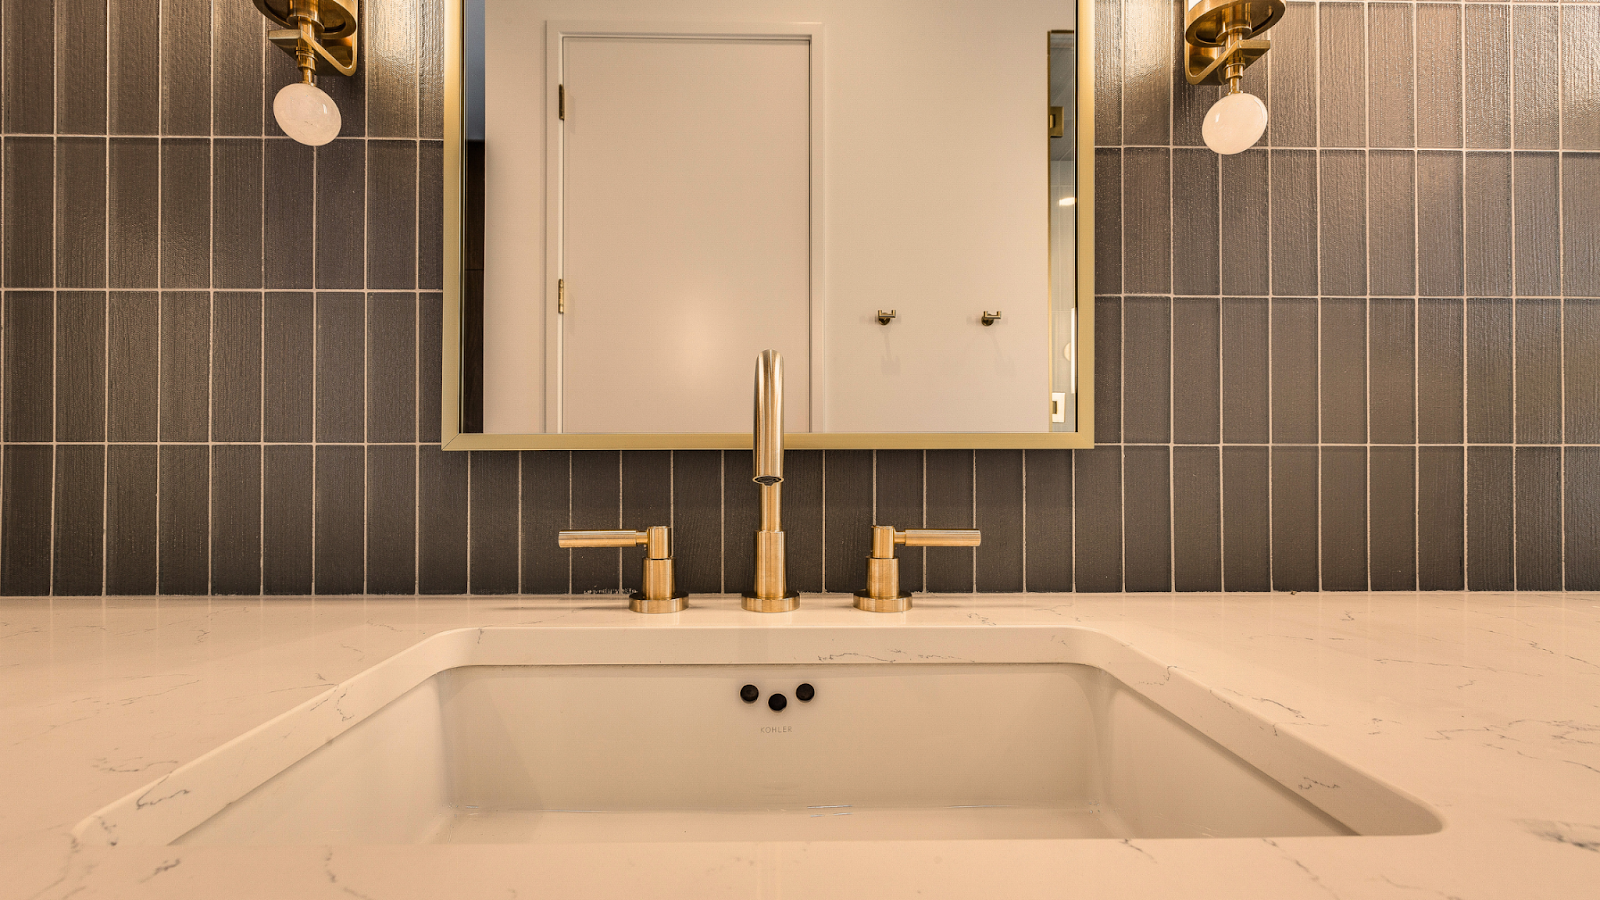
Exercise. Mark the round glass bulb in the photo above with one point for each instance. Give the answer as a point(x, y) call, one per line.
point(1234, 123)
point(306, 114)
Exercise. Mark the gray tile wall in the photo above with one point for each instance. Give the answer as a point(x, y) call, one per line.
point(1365, 354)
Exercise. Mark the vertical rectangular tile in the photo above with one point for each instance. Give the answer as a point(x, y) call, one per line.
point(1538, 371)
point(1245, 364)
point(1582, 367)
point(1108, 221)
point(1488, 76)
point(1108, 369)
point(1441, 540)
point(28, 210)
point(1147, 519)
point(391, 382)
point(430, 345)
point(596, 503)
point(341, 360)
point(1440, 226)
point(1197, 519)
point(1190, 102)
point(134, 212)
point(1538, 223)
point(1391, 350)
point(430, 71)
point(1108, 72)
point(848, 482)
point(341, 520)
point(1583, 518)
point(25, 505)
point(289, 200)
point(1295, 514)
point(135, 341)
point(290, 354)
point(29, 347)
point(236, 366)
point(1147, 221)
point(236, 253)
point(950, 505)
point(1489, 373)
point(1441, 412)
point(80, 212)
point(1580, 77)
point(1344, 518)
point(80, 336)
point(1344, 370)
point(236, 519)
point(546, 510)
point(130, 519)
point(1147, 374)
point(1196, 253)
point(391, 215)
point(999, 516)
point(80, 483)
point(80, 68)
point(183, 530)
point(27, 67)
point(1390, 77)
point(1196, 367)
point(1294, 222)
point(898, 502)
point(185, 67)
point(1344, 222)
point(392, 34)
point(1147, 72)
point(1538, 541)
point(1393, 540)
point(741, 518)
point(340, 215)
point(186, 214)
point(442, 521)
point(493, 512)
point(1341, 74)
point(1536, 76)
point(286, 519)
point(1049, 520)
point(646, 501)
point(239, 47)
point(1487, 235)
point(1393, 229)
point(1491, 563)
point(133, 61)
point(185, 366)
point(1294, 371)
point(803, 518)
point(1246, 264)
point(1246, 519)
point(1294, 78)
point(696, 519)
point(392, 521)
point(430, 215)
point(1439, 73)
point(1097, 529)
point(1580, 224)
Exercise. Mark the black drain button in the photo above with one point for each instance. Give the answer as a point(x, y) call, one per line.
point(804, 693)
point(749, 693)
point(777, 702)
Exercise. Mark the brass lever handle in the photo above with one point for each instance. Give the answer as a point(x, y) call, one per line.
point(660, 592)
point(939, 537)
point(883, 592)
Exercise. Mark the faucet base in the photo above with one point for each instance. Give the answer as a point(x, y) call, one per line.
point(787, 603)
point(865, 601)
point(639, 603)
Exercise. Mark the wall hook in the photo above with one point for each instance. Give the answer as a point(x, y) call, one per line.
point(989, 318)
point(885, 317)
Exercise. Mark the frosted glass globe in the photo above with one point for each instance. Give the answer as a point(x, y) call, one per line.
point(1235, 123)
point(306, 114)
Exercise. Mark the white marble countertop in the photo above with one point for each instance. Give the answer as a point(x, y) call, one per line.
point(1485, 706)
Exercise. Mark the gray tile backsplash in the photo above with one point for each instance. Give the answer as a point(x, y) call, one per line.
point(1360, 356)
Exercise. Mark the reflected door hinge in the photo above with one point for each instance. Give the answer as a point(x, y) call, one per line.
point(1058, 121)
point(561, 102)
point(561, 296)
point(1058, 406)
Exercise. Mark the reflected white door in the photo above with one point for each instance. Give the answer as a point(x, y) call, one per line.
point(685, 231)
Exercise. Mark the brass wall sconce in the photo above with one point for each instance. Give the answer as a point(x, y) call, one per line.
point(1220, 41)
point(322, 36)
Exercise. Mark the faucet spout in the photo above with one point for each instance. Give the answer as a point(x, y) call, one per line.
point(771, 593)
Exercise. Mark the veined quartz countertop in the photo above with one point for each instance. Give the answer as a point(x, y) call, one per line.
point(1484, 706)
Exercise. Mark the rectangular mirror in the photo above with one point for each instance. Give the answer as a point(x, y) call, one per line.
point(639, 199)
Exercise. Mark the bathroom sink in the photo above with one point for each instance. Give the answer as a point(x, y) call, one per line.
point(545, 736)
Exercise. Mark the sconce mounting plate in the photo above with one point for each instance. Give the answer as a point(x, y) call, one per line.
point(337, 35)
point(1207, 25)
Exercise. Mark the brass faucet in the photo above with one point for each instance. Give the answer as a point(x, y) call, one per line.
point(771, 593)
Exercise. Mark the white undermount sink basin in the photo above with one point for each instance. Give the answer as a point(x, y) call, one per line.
point(543, 735)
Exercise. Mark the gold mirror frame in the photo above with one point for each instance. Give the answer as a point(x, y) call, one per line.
point(453, 438)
